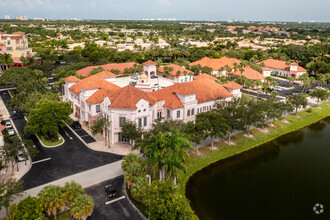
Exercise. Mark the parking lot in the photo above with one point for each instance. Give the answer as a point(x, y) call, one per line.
point(161, 81)
point(114, 208)
point(83, 134)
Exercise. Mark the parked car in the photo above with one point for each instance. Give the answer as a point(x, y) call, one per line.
point(309, 91)
point(277, 89)
point(8, 125)
point(267, 89)
point(136, 77)
point(295, 93)
point(111, 192)
point(154, 77)
point(319, 87)
point(132, 83)
point(11, 132)
point(20, 156)
point(155, 85)
point(76, 124)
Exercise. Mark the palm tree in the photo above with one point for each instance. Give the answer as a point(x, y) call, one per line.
point(71, 191)
point(82, 207)
point(178, 153)
point(291, 80)
point(52, 198)
point(322, 79)
point(259, 84)
point(156, 154)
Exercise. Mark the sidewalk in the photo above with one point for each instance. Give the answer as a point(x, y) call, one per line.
point(86, 179)
point(22, 168)
point(99, 144)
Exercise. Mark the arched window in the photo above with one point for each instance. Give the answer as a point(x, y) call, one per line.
point(188, 113)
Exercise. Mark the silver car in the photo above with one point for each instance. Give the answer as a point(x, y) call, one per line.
point(8, 125)
point(20, 156)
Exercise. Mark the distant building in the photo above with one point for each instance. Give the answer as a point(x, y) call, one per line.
point(16, 45)
point(111, 66)
point(38, 19)
point(281, 68)
point(22, 18)
point(178, 74)
point(7, 17)
point(218, 65)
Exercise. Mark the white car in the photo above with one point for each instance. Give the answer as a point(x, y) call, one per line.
point(319, 87)
point(155, 85)
point(278, 89)
point(11, 132)
point(8, 125)
point(20, 156)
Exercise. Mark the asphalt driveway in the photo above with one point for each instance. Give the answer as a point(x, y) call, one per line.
point(115, 211)
point(54, 163)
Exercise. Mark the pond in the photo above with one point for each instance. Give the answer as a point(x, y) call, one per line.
point(282, 179)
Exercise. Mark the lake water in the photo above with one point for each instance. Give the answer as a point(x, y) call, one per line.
point(282, 179)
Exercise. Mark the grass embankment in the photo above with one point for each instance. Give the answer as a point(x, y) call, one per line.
point(244, 143)
point(48, 143)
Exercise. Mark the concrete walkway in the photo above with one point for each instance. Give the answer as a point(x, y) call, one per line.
point(86, 179)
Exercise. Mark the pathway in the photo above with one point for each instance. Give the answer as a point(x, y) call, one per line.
point(86, 179)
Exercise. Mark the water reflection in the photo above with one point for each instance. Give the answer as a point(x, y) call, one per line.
point(281, 179)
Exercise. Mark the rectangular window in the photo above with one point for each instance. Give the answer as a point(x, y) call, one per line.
point(140, 122)
point(197, 110)
point(159, 115)
point(145, 121)
point(192, 111)
point(188, 112)
point(178, 114)
point(144, 110)
point(98, 109)
point(90, 107)
point(139, 111)
point(168, 113)
point(121, 121)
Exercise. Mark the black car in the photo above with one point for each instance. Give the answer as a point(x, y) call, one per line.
point(153, 77)
point(132, 83)
point(111, 192)
point(76, 124)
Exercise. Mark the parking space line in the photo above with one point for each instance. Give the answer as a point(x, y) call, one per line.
point(85, 135)
point(39, 161)
point(115, 200)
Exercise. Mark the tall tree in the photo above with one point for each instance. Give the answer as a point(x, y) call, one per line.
point(9, 189)
point(297, 101)
point(320, 94)
point(131, 131)
point(82, 206)
point(213, 124)
point(52, 198)
point(28, 208)
point(46, 117)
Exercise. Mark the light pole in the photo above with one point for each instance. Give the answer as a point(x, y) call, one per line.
point(149, 178)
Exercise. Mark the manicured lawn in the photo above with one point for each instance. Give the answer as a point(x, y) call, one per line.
point(243, 143)
point(49, 143)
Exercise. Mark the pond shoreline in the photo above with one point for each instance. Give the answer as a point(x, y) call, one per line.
point(244, 144)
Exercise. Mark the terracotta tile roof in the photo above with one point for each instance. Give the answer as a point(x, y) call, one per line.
point(249, 73)
point(92, 82)
point(2, 127)
point(266, 68)
point(232, 85)
point(280, 64)
point(176, 68)
point(100, 94)
point(204, 76)
point(16, 59)
point(71, 79)
point(149, 62)
point(105, 74)
point(127, 97)
point(205, 90)
point(120, 66)
point(216, 64)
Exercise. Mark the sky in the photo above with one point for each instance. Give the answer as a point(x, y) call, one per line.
point(206, 10)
